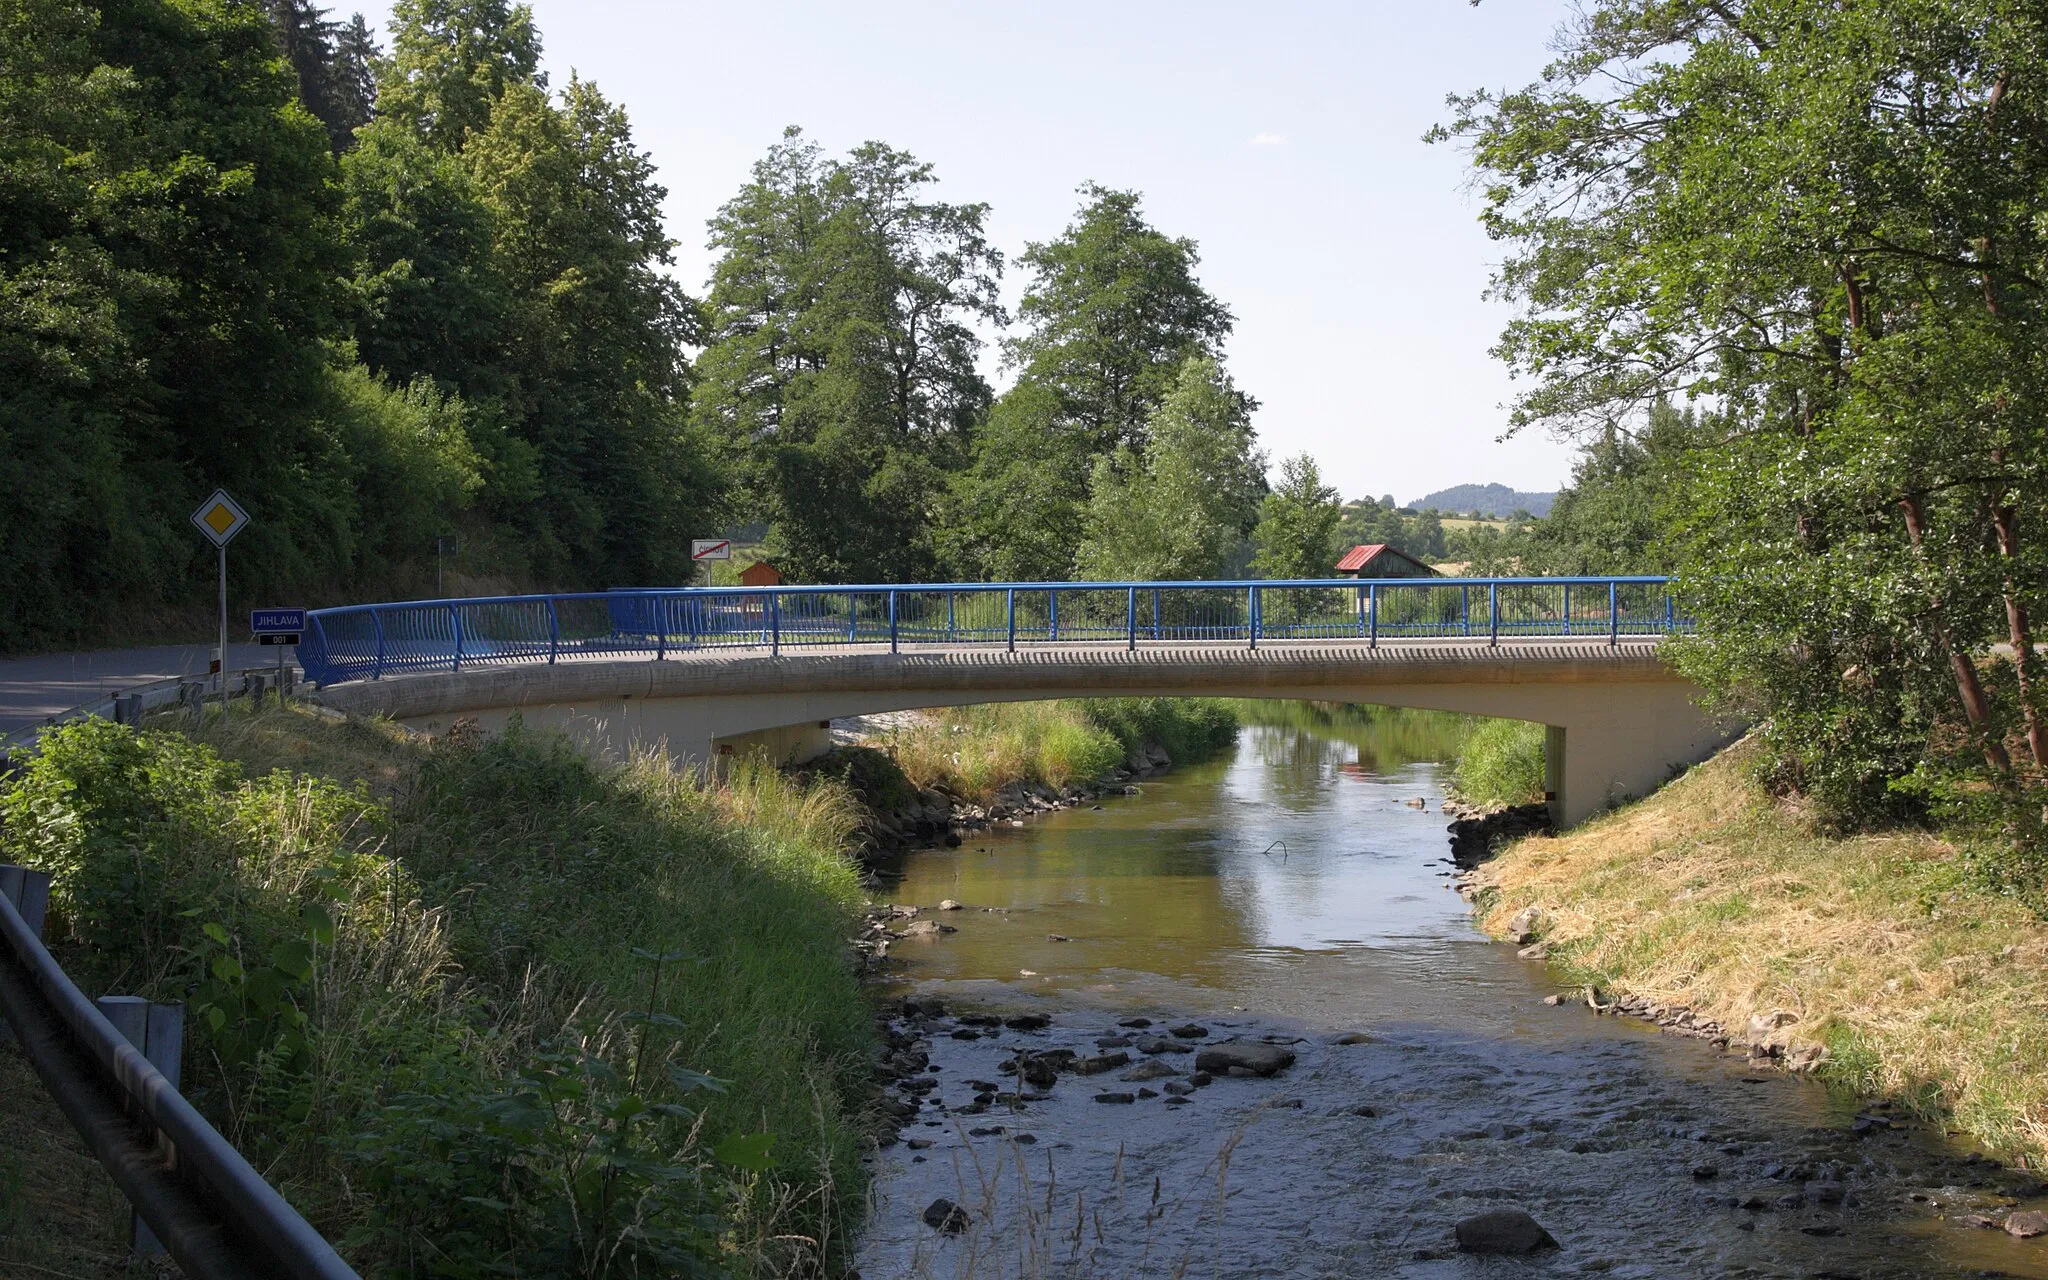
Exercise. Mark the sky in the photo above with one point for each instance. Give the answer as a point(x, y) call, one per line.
point(1285, 138)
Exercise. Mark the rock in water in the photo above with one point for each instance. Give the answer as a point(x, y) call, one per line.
point(1149, 1069)
point(1160, 1044)
point(1190, 1031)
point(2027, 1224)
point(1101, 1063)
point(949, 904)
point(1246, 1055)
point(1503, 1231)
point(1028, 1022)
point(943, 1215)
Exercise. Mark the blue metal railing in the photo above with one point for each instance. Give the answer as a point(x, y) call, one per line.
point(371, 641)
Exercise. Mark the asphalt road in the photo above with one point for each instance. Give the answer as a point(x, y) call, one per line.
point(33, 688)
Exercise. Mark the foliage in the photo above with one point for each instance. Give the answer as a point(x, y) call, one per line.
point(1843, 251)
point(1181, 509)
point(839, 368)
point(462, 1021)
point(1501, 763)
point(1297, 531)
point(1189, 729)
point(1112, 313)
point(977, 750)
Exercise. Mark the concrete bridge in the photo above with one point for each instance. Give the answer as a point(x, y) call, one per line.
point(706, 673)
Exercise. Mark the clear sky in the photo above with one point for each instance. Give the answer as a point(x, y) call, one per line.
point(1284, 137)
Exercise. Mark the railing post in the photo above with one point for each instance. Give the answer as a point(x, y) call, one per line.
point(949, 617)
point(1155, 613)
point(691, 610)
point(1493, 611)
point(1465, 609)
point(1372, 605)
point(455, 624)
point(554, 631)
point(852, 618)
point(775, 623)
point(1613, 614)
point(158, 1032)
point(1252, 615)
point(1052, 615)
point(1131, 620)
point(377, 621)
point(1670, 617)
point(1012, 594)
point(1567, 608)
point(892, 621)
point(660, 605)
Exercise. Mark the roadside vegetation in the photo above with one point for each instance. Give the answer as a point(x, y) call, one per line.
point(1902, 954)
point(976, 751)
point(478, 1006)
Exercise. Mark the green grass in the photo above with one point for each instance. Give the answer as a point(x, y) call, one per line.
point(479, 1006)
point(1501, 764)
point(977, 750)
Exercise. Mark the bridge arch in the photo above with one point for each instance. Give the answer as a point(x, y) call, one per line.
point(1620, 720)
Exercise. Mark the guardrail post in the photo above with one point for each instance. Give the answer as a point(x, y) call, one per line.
point(1493, 611)
point(455, 622)
point(1131, 620)
point(1567, 608)
point(1155, 613)
point(1012, 594)
point(377, 621)
point(892, 621)
point(1052, 615)
point(158, 1031)
point(554, 631)
point(1670, 618)
point(775, 623)
point(949, 617)
point(29, 891)
point(1465, 609)
point(1252, 615)
point(1372, 605)
point(1613, 614)
point(660, 606)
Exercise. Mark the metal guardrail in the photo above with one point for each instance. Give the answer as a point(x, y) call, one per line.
point(213, 1213)
point(371, 641)
point(128, 704)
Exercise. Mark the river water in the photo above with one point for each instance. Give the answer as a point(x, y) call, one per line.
point(1292, 893)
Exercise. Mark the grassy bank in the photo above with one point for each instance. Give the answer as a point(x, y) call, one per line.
point(1500, 764)
point(1889, 951)
point(478, 1006)
point(976, 751)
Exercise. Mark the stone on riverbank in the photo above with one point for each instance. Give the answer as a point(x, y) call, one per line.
point(1508, 1231)
point(1244, 1055)
point(2027, 1224)
point(1150, 1069)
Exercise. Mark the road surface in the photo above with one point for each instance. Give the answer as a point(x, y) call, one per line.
point(34, 688)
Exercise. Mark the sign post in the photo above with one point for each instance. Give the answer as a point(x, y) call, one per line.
point(220, 518)
point(710, 549)
point(279, 627)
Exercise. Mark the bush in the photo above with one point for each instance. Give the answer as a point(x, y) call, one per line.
point(521, 1014)
point(1190, 729)
point(1502, 763)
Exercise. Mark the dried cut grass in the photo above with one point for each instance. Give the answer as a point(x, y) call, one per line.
point(1918, 982)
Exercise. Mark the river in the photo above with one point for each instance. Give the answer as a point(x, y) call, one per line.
point(1292, 893)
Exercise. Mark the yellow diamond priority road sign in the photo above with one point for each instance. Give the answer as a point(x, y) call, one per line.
point(220, 518)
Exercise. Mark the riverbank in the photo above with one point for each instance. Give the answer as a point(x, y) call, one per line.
point(1879, 961)
point(925, 777)
point(431, 981)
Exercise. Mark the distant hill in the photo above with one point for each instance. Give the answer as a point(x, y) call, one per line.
point(1486, 499)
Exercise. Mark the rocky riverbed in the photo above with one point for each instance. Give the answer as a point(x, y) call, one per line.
point(1430, 1095)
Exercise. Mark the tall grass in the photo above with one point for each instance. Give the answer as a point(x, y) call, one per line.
point(978, 750)
point(1501, 763)
point(480, 1006)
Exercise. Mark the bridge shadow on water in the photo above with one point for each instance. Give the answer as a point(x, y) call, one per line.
point(1645, 1154)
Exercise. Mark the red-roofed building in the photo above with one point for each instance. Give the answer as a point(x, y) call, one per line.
point(1382, 560)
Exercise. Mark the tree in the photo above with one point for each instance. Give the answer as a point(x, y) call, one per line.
point(1112, 312)
point(451, 60)
point(333, 64)
point(1712, 199)
point(1182, 508)
point(839, 369)
point(1297, 530)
